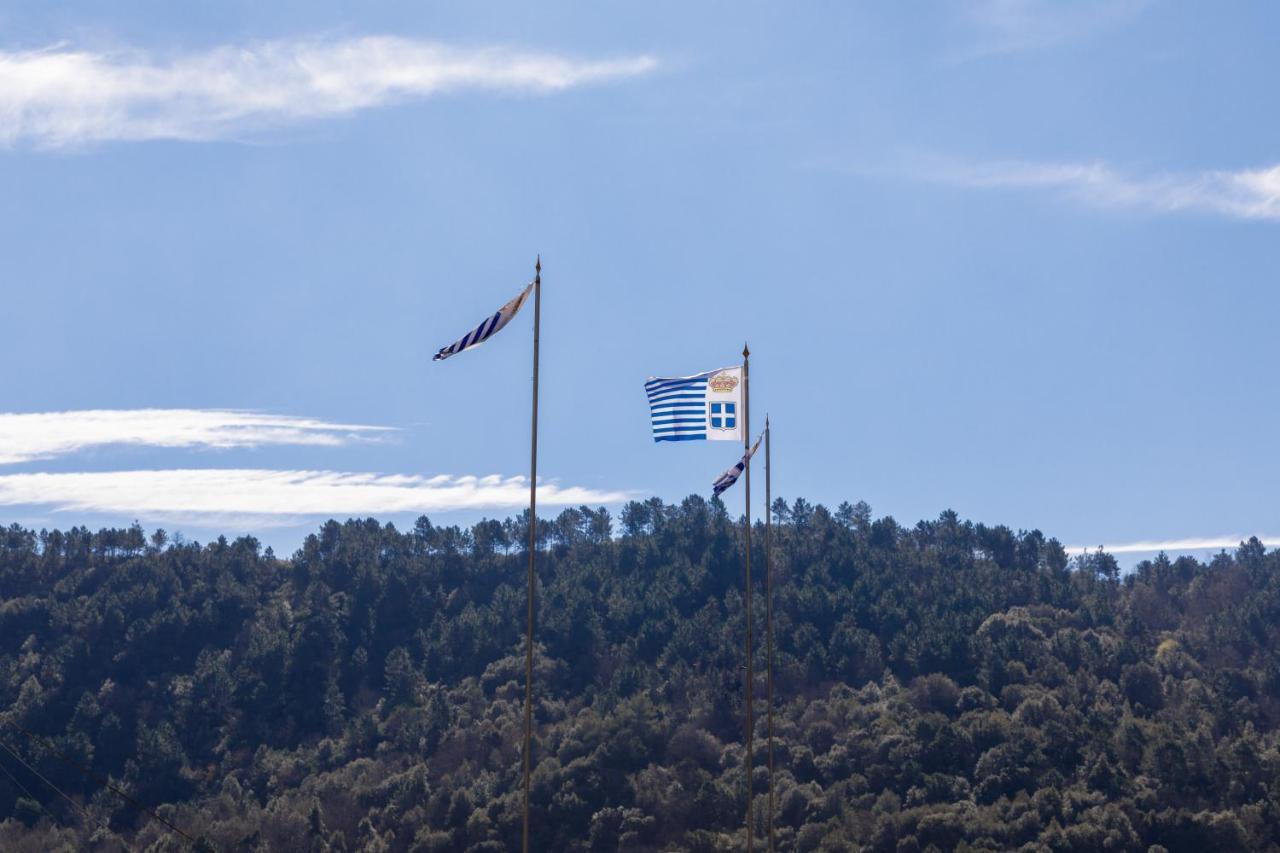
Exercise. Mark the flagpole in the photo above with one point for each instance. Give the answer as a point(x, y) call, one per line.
point(746, 446)
point(533, 543)
point(768, 609)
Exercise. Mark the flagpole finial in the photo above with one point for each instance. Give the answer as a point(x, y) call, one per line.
point(746, 353)
point(537, 265)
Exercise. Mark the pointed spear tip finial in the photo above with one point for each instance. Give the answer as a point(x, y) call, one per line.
point(746, 353)
point(538, 263)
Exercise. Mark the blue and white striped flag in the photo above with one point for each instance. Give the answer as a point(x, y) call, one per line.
point(728, 478)
point(486, 329)
point(702, 407)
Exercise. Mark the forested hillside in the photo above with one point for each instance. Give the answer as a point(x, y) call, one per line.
point(947, 686)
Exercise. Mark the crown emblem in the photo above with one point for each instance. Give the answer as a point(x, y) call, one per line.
point(723, 383)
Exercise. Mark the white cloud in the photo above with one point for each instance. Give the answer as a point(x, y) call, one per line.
point(30, 436)
point(1009, 26)
point(1252, 194)
point(1230, 543)
point(265, 497)
point(60, 96)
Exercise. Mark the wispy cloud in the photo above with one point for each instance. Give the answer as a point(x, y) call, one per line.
point(31, 436)
point(61, 96)
point(1177, 545)
point(267, 497)
point(1252, 194)
point(1009, 26)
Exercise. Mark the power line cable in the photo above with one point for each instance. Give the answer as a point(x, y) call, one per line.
point(30, 796)
point(46, 743)
point(34, 772)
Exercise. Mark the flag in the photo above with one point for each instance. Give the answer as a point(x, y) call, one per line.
point(487, 328)
point(728, 478)
point(705, 406)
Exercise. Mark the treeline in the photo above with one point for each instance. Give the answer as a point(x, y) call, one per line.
point(950, 686)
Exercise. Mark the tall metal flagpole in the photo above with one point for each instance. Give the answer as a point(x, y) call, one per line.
point(533, 542)
point(746, 446)
point(768, 609)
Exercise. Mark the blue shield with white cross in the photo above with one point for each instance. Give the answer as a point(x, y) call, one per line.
point(723, 416)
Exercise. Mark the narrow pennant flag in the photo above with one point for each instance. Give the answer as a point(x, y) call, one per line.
point(701, 407)
point(728, 478)
point(488, 328)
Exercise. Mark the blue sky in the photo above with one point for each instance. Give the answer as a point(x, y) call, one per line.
point(1011, 258)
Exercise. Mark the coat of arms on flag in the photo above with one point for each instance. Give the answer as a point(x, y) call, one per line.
point(703, 407)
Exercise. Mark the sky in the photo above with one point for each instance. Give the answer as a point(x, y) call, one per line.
point(1012, 258)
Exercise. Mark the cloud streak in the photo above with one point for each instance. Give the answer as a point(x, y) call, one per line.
point(268, 498)
point(59, 96)
point(1011, 26)
point(1249, 194)
point(1178, 545)
point(32, 436)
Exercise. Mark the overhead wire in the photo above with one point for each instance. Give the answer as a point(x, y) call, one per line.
point(106, 783)
point(34, 772)
point(23, 788)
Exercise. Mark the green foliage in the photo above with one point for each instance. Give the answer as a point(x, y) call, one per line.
point(951, 686)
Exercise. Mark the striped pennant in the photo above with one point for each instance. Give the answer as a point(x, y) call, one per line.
point(488, 328)
point(728, 478)
point(678, 406)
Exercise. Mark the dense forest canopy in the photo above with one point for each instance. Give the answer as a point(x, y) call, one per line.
point(950, 686)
